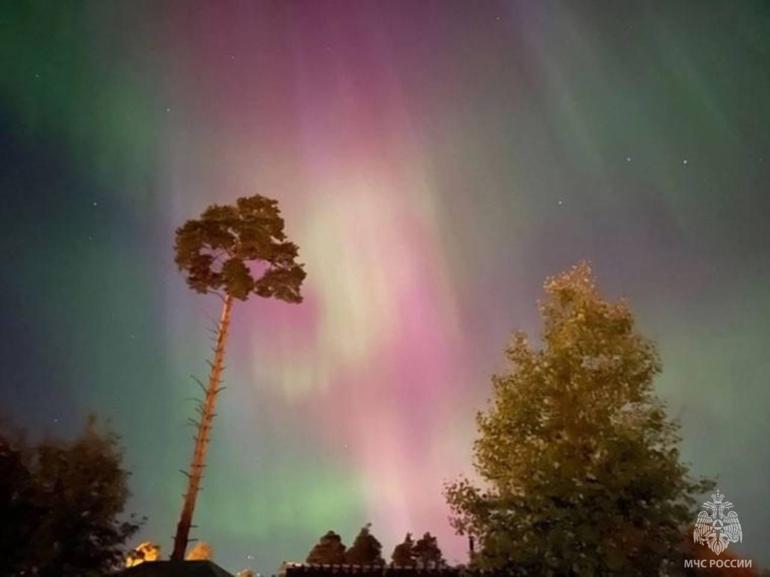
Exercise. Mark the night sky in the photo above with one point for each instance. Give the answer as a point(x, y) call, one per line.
point(435, 161)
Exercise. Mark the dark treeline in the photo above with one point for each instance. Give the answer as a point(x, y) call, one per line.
point(367, 550)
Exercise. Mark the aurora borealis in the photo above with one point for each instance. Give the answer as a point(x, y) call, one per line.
point(435, 161)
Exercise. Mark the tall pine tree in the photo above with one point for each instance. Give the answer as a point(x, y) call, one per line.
point(219, 253)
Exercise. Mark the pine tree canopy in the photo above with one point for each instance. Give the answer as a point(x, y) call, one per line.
point(216, 251)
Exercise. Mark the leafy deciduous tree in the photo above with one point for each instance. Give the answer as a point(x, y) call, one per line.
point(580, 462)
point(18, 507)
point(220, 253)
point(60, 505)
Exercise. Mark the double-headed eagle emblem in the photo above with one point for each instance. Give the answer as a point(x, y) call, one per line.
point(717, 527)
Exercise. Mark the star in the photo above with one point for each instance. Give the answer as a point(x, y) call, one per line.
point(684, 162)
point(560, 202)
point(96, 203)
point(628, 159)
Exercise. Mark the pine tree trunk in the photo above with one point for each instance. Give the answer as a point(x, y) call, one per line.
point(204, 431)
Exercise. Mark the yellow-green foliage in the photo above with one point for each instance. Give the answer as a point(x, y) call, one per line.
point(580, 462)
